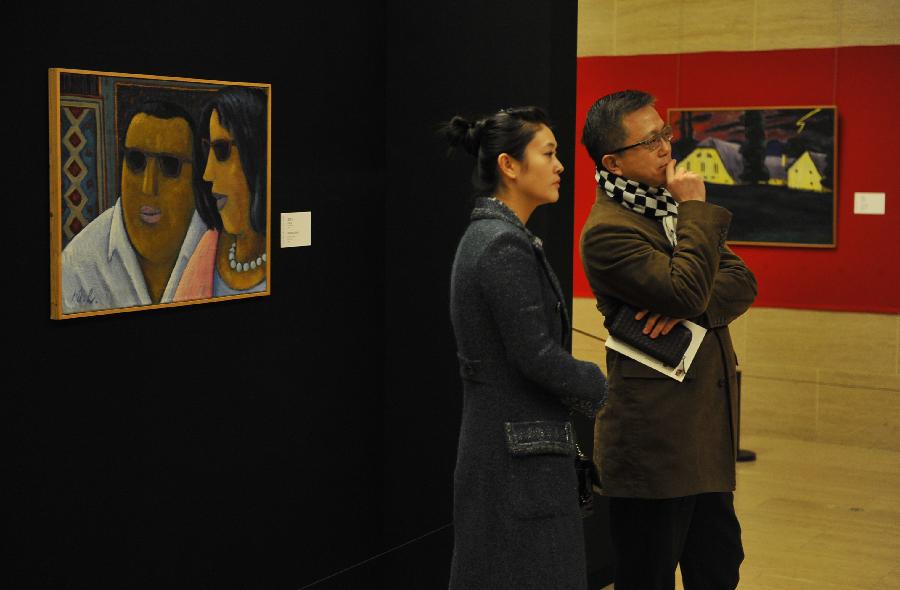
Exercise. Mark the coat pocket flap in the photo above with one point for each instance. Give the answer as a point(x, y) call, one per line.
point(539, 438)
point(631, 368)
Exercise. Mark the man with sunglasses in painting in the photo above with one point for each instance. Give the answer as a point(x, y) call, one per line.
point(667, 448)
point(134, 252)
point(231, 257)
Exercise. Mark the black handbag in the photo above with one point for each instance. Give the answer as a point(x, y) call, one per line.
point(587, 479)
point(669, 349)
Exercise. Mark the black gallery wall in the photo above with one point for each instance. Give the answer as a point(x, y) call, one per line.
point(306, 439)
point(218, 445)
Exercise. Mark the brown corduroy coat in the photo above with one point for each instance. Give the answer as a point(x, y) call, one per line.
point(660, 438)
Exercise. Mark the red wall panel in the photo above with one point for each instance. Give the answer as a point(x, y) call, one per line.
point(863, 272)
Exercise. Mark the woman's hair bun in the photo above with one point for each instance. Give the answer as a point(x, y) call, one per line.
point(460, 132)
point(507, 131)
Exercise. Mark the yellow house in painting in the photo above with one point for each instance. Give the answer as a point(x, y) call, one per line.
point(707, 163)
point(717, 161)
point(806, 172)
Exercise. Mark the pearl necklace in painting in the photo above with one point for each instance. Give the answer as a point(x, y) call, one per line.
point(243, 266)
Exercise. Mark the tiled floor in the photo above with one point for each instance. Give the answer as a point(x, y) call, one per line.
point(820, 508)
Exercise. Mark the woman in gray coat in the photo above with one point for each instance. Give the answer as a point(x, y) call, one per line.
point(516, 514)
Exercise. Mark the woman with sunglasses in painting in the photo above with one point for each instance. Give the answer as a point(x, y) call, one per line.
point(231, 259)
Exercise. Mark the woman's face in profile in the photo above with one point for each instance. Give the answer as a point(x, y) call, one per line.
point(540, 172)
point(229, 185)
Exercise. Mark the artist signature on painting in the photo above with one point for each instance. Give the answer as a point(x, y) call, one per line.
point(80, 296)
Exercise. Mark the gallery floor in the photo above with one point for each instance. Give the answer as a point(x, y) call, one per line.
point(820, 507)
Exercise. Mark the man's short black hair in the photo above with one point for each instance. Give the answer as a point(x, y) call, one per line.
point(603, 132)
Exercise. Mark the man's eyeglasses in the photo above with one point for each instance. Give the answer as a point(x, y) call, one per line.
point(169, 164)
point(652, 144)
point(220, 147)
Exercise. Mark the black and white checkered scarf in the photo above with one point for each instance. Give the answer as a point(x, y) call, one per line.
point(652, 202)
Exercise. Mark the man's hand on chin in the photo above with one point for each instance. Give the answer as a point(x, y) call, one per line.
point(684, 185)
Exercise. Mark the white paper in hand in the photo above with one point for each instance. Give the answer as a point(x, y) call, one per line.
point(676, 373)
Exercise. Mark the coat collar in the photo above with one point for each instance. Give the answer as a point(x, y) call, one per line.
point(491, 208)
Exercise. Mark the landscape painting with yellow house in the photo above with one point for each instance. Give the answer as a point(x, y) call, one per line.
point(772, 167)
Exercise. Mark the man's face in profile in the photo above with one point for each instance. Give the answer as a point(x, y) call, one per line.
point(640, 163)
point(157, 191)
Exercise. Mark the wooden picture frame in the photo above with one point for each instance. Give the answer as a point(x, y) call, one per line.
point(774, 168)
point(159, 191)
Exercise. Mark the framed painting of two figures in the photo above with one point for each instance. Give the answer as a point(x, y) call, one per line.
point(159, 191)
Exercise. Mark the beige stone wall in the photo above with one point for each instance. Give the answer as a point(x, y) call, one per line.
point(634, 27)
point(813, 375)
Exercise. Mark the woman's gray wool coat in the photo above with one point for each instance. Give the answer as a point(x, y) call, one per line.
point(516, 516)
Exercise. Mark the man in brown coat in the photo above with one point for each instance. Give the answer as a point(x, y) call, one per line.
point(667, 449)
